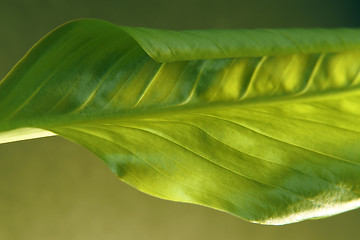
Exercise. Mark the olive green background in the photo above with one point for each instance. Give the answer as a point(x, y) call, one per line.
point(54, 189)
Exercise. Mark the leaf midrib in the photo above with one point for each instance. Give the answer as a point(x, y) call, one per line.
point(148, 112)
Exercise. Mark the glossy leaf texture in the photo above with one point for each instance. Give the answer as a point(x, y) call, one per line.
point(263, 124)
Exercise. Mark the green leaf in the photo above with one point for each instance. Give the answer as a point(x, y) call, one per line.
point(263, 124)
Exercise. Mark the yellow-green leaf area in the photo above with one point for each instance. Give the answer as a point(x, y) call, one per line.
point(263, 124)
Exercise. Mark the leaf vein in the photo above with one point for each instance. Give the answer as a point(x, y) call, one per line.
point(217, 164)
point(287, 143)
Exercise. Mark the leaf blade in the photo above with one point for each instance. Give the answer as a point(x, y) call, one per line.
point(229, 133)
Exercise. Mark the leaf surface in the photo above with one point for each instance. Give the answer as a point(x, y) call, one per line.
point(263, 124)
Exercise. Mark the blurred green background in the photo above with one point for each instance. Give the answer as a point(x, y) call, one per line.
point(54, 189)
